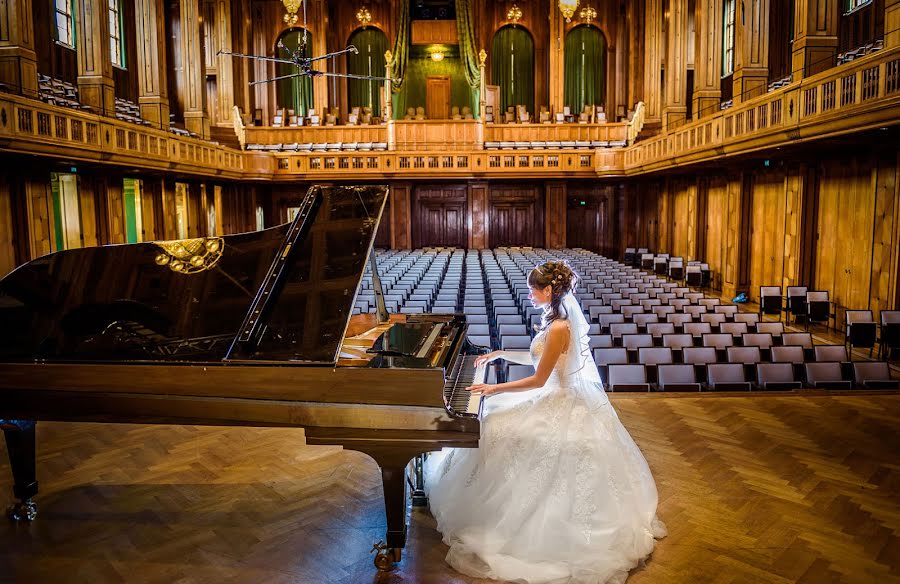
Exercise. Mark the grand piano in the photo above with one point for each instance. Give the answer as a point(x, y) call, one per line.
point(254, 329)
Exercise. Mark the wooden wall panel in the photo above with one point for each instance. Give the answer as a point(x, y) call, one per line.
point(88, 195)
point(767, 232)
point(478, 215)
point(7, 245)
point(714, 225)
point(846, 209)
point(114, 213)
point(516, 216)
point(40, 216)
point(401, 216)
point(886, 238)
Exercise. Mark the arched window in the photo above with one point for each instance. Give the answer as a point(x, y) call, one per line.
point(371, 44)
point(585, 69)
point(512, 67)
point(294, 93)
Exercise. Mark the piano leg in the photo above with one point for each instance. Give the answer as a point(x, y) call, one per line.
point(394, 481)
point(20, 444)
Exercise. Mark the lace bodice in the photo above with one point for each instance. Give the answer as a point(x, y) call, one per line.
point(558, 376)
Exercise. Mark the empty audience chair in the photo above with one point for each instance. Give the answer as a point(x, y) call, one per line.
point(818, 307)
point(628, 378)
point(890, 332)
point(796, 301)
point(718, 340)
point(825, 375)
point(479, 330)
point(713, 319)
point(678, 341)
point(610, 356)
point(697, 329)
point(658, 329)
point(655, 355)
point(874, 375)
point(617, 330)
point(726, 309)
point(480, 340)
point(643, 319)
point(776, 376)
point(800, 339)
point(836, 353)
point(790, 354)
point(600, 341)
point(633, 342)
point(770, 300)
point(745, 355)
point(859, 329)
point(726, 377)
point(677, 378)
point(699, 355)
point(776, 329)
point(516, 372)
point(735, 329)
point(761, 340)
point(515, 342)
point(751, 319)
point(512, 329)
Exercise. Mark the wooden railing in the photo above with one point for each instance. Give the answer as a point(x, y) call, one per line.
point(859, 95)
point(612, 132)
point(34, 127)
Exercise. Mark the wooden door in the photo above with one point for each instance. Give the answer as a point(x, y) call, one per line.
point(437, 97)
point(583, 221)
point(440, 216)
point(516, 216)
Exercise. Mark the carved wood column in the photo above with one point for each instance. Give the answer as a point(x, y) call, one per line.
point(557, 59)
point(634, 20)
point(676, 64)
point(225, 65)
point(708, 61)
point(193, 69)
point(891, 23)
point(815, 36)
point(478, 214)
point(319, 23)
point(153, 93)
point(555, 215)
point(96, 88)
point(401, 216)
point(751, 49)
point(653, 59)
point(18, 62)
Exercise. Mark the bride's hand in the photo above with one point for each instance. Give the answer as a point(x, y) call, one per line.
point(486, 389)
point(484, 359)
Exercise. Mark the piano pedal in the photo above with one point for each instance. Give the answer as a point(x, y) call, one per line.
point(385, 557)
point(22, 511)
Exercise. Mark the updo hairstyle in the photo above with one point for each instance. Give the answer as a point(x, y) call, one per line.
point(562, 280)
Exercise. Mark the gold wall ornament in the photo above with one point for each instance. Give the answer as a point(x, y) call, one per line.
point(588, 14)
point(482, 56)
point(190, 256)
point(292, 6)
point(388, 58)
point(568, 7)
point(363, 16)
point(514, 14)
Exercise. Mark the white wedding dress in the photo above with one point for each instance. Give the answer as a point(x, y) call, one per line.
point(557, 490)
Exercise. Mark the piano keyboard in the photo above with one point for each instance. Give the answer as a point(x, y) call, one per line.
point(459, 400)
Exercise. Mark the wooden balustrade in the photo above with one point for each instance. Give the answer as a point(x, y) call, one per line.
point(864, 93)
point(34, 127)
point(611, 132)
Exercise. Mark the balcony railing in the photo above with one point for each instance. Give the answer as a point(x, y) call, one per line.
point(862, 94)
point(31, 126)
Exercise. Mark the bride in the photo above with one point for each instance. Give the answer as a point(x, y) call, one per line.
point(557, 491)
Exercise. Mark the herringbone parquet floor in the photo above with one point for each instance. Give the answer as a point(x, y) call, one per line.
point(753, 489)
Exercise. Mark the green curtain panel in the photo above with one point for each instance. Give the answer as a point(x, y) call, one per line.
point(420, 67)
point(294, 93)
point(585, 68)
point(512, 67)
point(467, 52)
point(371, 44)
point(401, 47)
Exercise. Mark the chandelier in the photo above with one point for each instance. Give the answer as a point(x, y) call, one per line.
point(588, 14)
point(568, 7)
point(514, 14)
point(292, 6)
point(363, 16)
point(189, 256)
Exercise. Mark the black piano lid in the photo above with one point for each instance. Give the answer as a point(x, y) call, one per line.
point(185, 301)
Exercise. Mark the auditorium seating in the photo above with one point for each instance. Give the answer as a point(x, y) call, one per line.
point(647, 331)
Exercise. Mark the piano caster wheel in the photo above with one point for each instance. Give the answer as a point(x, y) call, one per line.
point(22, 511)
point(385, 557)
